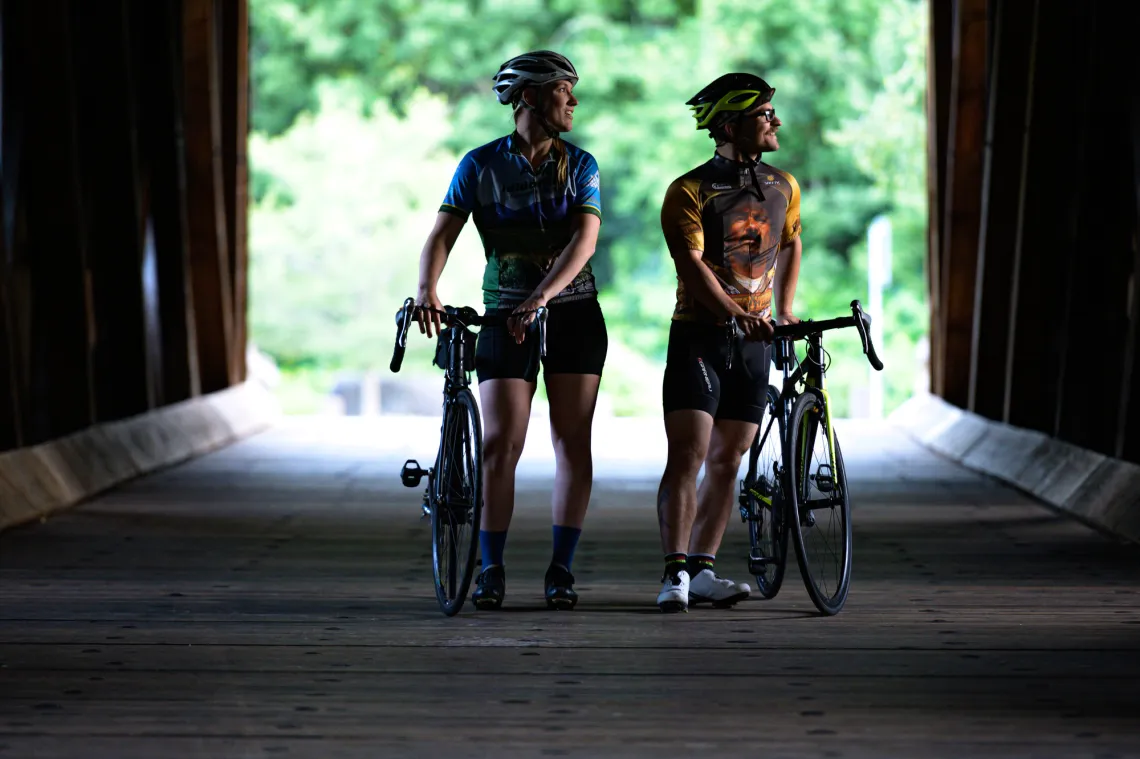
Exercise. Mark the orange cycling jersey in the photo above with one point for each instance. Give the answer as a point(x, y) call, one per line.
point(716, 209)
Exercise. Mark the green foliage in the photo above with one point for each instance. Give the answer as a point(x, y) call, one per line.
point(361, 109)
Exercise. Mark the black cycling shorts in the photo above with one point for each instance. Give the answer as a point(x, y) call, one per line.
point(576, 343)
point(696, 376)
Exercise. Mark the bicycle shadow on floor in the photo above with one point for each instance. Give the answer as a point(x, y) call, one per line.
point(603, 607)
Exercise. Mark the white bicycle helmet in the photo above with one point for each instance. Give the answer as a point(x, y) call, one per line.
point(533, 68)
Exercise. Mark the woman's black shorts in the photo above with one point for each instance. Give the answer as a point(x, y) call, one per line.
point(576, 343)
point(697, 377)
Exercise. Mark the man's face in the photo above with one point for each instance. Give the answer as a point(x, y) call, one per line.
point(754, 133)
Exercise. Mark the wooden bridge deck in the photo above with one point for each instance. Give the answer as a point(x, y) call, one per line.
point(273, 599)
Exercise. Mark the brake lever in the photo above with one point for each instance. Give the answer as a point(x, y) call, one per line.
point(540, 317)
point(863, 325)
point(403, 320)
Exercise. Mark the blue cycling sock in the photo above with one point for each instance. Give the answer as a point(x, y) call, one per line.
point(565, 541)
point(491, 545)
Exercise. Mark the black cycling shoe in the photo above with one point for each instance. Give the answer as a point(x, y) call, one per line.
point(560, 588)
point(490, 589)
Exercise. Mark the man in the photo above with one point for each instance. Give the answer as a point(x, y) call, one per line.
point(732, 226)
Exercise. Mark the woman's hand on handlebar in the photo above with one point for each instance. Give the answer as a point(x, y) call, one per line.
point(426, 318)
point(517, 325)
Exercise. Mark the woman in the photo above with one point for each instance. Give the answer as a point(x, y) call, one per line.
point(536, 203)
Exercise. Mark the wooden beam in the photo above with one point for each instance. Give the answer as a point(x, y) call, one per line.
point(209, 251)
point(1005, 124)
point(965, 141)
point(58, 295)
point(162, 141)
point(937, 107)
point(10, 422)
point(1038, 286)
point(1127, 444)
point(109, 160)
point(235, 132)
point(1100, 232)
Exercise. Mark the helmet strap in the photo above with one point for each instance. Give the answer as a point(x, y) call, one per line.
point(749, 163)
point(551, 132)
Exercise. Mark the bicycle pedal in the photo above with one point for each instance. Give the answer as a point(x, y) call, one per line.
point(824, 479)
point(758, 566)
point(411, 474)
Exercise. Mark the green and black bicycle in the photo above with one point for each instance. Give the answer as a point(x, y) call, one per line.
point(796, 481)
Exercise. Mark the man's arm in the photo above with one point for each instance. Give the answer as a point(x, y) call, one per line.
point(787, 276)
point(703, 285)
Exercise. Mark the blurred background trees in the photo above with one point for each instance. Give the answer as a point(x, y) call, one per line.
point(362, 108)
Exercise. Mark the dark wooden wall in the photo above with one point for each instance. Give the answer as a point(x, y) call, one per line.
point(122, 208)
point(1034, 255)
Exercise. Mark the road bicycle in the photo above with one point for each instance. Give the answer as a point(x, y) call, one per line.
point(808, 498)
point(453, 499)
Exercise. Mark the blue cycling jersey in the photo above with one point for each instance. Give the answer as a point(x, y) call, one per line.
point(524, 218)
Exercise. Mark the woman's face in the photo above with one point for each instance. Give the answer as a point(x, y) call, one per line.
point(558, 103)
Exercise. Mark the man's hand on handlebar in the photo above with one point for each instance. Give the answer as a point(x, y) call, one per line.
point(425, 317)
point(755, 327)
point(787, 318)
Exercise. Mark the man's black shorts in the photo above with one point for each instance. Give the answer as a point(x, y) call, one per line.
point(696, 376)
point(576, 343)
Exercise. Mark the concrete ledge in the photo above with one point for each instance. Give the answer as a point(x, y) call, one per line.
point(40, 480)
point(1101, 491)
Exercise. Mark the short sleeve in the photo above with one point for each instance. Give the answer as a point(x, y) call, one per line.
point(681, 217)
point(792, 217)
point(460, 198)
point(588, 198)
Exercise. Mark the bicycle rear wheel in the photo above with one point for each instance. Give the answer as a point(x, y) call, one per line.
point(820, 513)
point(457, 502)
point(762, 501)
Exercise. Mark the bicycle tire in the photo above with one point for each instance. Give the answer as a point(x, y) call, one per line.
point(457, 502)
point(767, 527)
point(826, 476)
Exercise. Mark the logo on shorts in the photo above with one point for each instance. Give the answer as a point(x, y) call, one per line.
point(704, 373)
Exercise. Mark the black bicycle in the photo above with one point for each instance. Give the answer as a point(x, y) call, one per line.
point(453, 499)
point(810, 498)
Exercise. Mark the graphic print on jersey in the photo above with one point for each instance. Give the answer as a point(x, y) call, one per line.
point(715, 209)
point(524, 217)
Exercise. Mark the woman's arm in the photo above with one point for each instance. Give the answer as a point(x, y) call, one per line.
point(433, 258)
point(569, 262)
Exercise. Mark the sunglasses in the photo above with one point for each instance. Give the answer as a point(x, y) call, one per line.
point(768, 114)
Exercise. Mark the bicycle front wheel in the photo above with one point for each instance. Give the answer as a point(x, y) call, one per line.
point(819, 507)
point(762, 501)
point(457, 502)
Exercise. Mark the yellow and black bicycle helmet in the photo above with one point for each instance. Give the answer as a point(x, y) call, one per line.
point(726, 98)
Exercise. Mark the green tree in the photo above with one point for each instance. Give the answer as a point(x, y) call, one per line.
point(850, 82)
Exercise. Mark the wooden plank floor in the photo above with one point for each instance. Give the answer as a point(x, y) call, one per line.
point(273, 599)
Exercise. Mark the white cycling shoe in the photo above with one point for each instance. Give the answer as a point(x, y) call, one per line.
point(708, 587)
point(674, 595)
